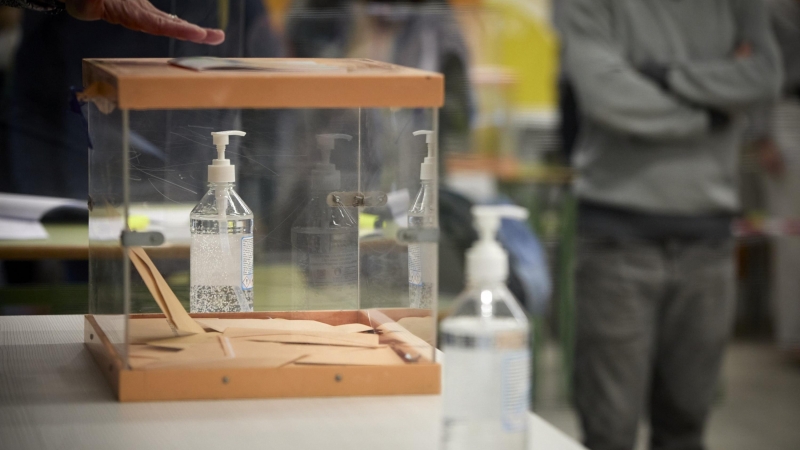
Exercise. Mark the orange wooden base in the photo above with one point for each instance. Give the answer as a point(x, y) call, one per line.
point(289, 381)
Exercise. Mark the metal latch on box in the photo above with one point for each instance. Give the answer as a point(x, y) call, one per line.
point(417, 235)
point(141, 238)
point(356, 199)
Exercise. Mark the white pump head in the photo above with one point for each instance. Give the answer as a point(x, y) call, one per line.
point(428, 168)
point(221, 170)
point(325, 176)
point(487, 261)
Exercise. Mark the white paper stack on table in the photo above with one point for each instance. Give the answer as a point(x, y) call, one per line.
point(21, 215)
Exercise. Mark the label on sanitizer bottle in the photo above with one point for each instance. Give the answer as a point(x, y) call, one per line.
point(247, 263)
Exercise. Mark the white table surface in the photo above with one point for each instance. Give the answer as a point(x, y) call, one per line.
point(53, 396)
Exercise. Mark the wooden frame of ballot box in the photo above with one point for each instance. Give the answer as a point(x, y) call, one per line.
point(422, 377)
point(155, 84)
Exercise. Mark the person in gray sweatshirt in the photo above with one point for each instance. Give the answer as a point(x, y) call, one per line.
point(663, 87)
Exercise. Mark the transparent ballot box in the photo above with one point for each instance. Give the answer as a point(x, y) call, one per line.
point(262, 227)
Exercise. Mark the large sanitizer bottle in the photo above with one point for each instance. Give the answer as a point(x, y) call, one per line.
point(325, 241)
point(486, 350)
point(422, 255)
point(221, 261)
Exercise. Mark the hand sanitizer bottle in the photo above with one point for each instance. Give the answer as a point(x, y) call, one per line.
point(325, 241)
point(422, 256)
point(486, 350)
point(221, 261)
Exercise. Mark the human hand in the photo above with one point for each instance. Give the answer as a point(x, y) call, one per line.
point(141, 15)
point(744, 50)
point(720, 120)
point(770, 157)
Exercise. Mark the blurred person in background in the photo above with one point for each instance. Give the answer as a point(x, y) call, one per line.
point(423, 34)
point(661, 87)
point(777, 130)
point(9, 37)
point(136, 15)
point(47, 141)
point(46, 144)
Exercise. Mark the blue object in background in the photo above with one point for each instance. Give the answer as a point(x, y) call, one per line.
point(527, 262)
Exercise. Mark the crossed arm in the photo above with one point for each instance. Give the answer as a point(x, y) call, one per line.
point(688, 98)
point(752, 75)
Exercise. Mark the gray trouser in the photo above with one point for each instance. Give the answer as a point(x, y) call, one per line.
point(652, 322)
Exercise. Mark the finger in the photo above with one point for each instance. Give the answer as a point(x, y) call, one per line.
point(162, 24)
point(141, 15)
point(173, 26)
point(214, 36)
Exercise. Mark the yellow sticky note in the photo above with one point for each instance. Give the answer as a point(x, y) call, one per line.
point(138, 222)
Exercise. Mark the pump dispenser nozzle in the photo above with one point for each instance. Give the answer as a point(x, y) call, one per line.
point(325, 176)
point(487, 261)
point(428, 168)
point(221, 170)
